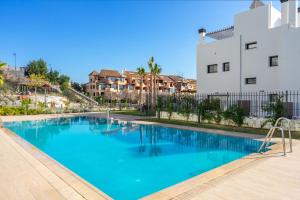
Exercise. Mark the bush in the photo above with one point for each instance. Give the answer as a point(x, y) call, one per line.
point(159, 106)
point(25, 104)
point(236, 114)
point(209, 109)
point(186, 107)
point(276, 111)
point(170, 107)
point(10, 110)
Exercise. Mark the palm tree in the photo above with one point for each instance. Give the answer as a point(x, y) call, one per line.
point(156, 71)
point(1, 76)
point(151, 69)
point(141, 72)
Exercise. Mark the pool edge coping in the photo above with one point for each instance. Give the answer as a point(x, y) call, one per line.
point(69, 177)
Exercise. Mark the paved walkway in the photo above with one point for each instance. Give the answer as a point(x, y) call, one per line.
point(273, 177)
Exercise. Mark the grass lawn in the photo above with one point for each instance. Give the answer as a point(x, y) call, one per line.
point(295, 134)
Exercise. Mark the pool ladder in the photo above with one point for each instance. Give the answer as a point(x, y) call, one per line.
point(271, 133)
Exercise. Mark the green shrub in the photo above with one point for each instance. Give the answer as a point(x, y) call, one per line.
point(276, 110)
point(236, 114)
point(186, 107)
point(10, 110)
point(159, 106)
point(32, 112)
point(209, 109)
point(170, 107)
point(25, 104)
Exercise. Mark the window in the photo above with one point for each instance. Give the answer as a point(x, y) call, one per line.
point(102, 86)
point(251, 45)
point(121, 87)
point(250, 81)
point(226, 67)
point(112, 79)
point(212, 68)
point(273, 61)
point(130, 87)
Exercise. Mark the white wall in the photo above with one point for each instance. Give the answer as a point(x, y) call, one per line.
point(289, 62)
point(262, 25)
point(218, 52)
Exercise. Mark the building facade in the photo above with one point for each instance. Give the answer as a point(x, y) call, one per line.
point(261, 52)
point(111, 83)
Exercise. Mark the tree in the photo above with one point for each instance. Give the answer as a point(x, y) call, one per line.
point(141, 72)
point(53, 76)
point(77, 86)
point(64, 86)
point(151, 69)
point(38, 67)
point(36, 81)
point(156, 72)
point(63, 79)
point(2, 64)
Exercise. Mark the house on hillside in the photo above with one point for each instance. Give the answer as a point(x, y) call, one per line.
point(127, 84)
point(260, 52)
point(106, 81)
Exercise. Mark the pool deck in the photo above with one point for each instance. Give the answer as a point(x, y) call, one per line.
point(27, 173)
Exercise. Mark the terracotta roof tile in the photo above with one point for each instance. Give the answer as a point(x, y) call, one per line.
point(176, 78)
point(93, 73)
point(165, 78)
point(109, 73)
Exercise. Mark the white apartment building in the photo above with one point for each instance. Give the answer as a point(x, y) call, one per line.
point(261, 52)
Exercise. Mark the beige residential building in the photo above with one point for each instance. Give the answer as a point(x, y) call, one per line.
point(112, 83)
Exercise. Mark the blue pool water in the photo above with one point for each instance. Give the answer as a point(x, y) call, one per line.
point(128, 161)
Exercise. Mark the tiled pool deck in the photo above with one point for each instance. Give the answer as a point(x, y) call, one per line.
point(27, 173)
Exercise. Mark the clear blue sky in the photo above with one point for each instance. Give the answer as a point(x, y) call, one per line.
point(79, 36)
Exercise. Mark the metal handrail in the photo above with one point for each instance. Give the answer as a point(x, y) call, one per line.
point(271, 133)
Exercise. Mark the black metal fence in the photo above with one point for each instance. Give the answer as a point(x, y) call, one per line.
point(255, 104)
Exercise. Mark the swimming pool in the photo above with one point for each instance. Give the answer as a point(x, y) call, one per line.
point(129, 161)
